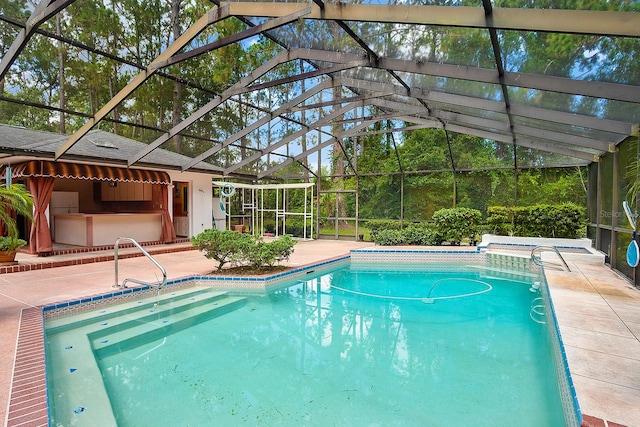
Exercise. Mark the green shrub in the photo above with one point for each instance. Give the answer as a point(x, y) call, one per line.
point(238, 248)
point(377, 225)
point(388, 237)
point(259, 254)
point(222, 245)
point(499, 220)
point(419, 233)
point(422, 234)
point(456, 224)
point(282, 248)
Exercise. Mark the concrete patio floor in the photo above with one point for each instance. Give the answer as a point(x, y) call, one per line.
point(598, 312)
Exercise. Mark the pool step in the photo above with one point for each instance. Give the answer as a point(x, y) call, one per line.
point(158, 322)
point(148, 310)
point(88, 318)
point(76, 368)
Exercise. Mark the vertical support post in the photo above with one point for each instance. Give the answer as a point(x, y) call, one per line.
point(355, 165)
point(336, 230)
point(260, 212)
point(515, 175)
point(284, 211)
point(304, 216)
point(311, 205)
point(254, 212)
point(318, 180)
point(402, 197)
point(615, 203)
point(357, 207)
point(277, 204)
point(599, 205)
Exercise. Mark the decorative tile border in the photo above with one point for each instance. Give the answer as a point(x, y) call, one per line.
point(567, 390)
point(259, 283)
point(416, 256)
point(523, 247)
point(105, 300)
point(421, 257)
point(265, 282)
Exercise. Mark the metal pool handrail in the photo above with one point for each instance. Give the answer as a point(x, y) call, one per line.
point(148, 255)
point(538, 259)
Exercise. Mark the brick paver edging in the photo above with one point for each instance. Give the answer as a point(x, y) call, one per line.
point(28, 398)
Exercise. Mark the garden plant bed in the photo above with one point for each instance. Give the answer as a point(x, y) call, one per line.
point(249, 270)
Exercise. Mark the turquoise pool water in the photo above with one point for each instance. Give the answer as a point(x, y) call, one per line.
point(349, 347)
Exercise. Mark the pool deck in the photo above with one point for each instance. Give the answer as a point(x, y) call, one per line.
point(598, 312)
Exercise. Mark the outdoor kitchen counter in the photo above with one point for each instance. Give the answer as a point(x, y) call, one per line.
point(98, 229)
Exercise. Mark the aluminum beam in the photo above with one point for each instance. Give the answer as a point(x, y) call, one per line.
point(341, 101)
point(613, 91)
point(506, 138)
point(626, 24)
point(524, 142)
point(516, 130)
point(434, 125)
point(325, 121)
point(351, 132)
point(260, 122)
point(614, 127)
point(281, 58)
point(234, 38)
point(521, 130)
point(569, 119)
point(237, 89)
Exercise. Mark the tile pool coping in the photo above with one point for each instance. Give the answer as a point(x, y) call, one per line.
point(28, 395)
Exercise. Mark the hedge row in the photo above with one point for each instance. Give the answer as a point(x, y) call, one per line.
point(449, 225)
point(422, 234)
point(560, 221)
point(457, 224)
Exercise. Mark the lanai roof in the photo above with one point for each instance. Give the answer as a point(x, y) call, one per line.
point(350, 65)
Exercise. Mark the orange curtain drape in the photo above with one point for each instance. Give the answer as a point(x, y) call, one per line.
point(40, 237)
point(168, 231)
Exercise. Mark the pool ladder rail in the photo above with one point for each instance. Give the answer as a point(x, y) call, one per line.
point(138, 281)
point(536, 258)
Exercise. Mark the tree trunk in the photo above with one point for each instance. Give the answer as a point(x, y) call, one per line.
point(176, 116)
point(61, 77)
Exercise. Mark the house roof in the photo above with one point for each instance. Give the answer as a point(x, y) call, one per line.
point(98, 146)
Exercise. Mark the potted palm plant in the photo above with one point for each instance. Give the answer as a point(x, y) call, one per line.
point(13, 198)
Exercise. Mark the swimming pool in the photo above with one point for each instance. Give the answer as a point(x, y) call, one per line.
point(431, 345)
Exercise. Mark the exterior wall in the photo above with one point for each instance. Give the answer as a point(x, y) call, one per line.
point(199, 200)
point(84, 188)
